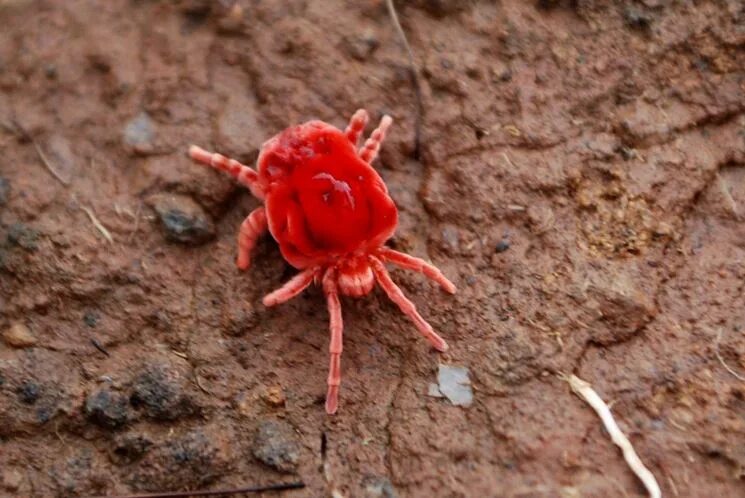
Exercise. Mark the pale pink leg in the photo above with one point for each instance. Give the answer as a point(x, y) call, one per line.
point(356, 125)
point(291, 288)
point(252, 228)
point(416, 264)
point(397, 296)
point(336, 326)
point(369, 151)
point(245, 175)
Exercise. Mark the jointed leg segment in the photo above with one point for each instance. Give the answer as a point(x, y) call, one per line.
point(396, 295)
point(291, 288)
point(336, 327)
point(252, 228)
point(244, 174)
point(356, 126)
point(411, 263)
point(369, 151)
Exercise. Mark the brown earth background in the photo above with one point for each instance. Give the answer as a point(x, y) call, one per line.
point(581, 179)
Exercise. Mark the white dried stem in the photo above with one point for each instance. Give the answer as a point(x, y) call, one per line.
point(99, 226)
point(587, 393)
point(721, 360)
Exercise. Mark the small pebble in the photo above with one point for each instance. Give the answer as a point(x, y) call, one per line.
point(361, 47)
point(233, 21)
point(379, 487)
point(184, 461)
point(183, 219)
point(129, 448)
point(90, 318)
point(139, 134)
point(29, 392)
point(502, 245)
point(636, 18)
point(19, 335)
point(454, 384)
point(275, 444)
point(159, 391)
point(23, 236)
point(274, 396)
point(107, 409)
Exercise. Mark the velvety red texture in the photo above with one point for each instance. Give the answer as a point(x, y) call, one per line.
point(322, 200)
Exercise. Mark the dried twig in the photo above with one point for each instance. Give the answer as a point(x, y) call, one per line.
point(198, 380)
point(218, 492)
point(728, 196)
point(587, 393)
point(99, 346)
point(45, 161)
point(721, 360)
point(137, 223)
point(98, 225)
point(48, 165)
point(414, 74)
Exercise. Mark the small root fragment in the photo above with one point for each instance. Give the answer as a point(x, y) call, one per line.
point(23, 132)
point(198, 381)
point(64, 181)
point(414, 74)
point(106, 234)
point(588, 394)
point(721, 360)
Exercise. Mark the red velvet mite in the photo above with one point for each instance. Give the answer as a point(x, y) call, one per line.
point(331, 214)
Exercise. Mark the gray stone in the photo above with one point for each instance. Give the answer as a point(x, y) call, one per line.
point(107, 409)
point(158, 392)
point(182, 219)
point(23, 236)
point(275, 445)
point(139, 133)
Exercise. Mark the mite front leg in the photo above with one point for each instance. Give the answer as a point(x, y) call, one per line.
point(336, 327)
point(411, 263)
point(292, 288)
point(252, 228)
point(245, 175)
point(356, 125)
point(369, 152)
point(396, 295)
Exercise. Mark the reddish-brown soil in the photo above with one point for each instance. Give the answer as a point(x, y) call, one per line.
point(581, 179)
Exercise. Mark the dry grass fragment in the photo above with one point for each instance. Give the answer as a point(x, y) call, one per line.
point(588, 394)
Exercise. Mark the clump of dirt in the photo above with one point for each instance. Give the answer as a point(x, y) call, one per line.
point(580, 179)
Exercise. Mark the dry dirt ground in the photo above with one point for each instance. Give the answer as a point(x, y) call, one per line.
point(581, 179)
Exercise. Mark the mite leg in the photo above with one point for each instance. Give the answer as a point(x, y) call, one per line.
point(397, 296)
point(356, 125)
point(252, 228)
point(291, 288)
point(246, 176)
point(419, 265)
point(369, 151)
point(336, 327)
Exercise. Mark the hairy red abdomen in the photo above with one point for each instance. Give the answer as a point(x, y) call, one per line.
point(323, 202)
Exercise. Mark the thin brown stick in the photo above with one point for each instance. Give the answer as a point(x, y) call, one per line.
point(414, 74)
point(217, 492)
